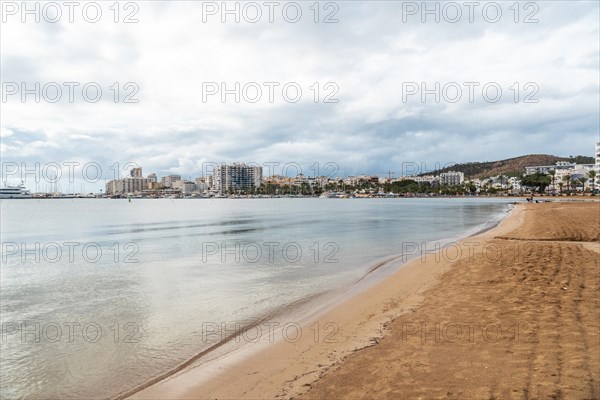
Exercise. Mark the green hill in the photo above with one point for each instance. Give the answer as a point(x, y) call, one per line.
point(510, 167)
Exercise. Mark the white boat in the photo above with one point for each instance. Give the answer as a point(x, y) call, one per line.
point(15, 192)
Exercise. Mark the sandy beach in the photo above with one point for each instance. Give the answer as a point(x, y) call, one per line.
point(512, 313)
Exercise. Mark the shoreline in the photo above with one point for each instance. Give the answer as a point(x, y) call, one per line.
point(520, 323)
point(209, 377)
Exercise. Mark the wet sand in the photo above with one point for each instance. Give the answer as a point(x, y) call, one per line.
point(510, 313)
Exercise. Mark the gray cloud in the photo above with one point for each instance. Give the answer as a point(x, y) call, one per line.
point(369, 54)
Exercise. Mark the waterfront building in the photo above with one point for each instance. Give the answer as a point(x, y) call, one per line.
point(169, 180)
point(432, 180)
point(452, 178)
point(231, 178)
point(322, 181)
point(202, 183)
point(126, 185)
point(545, 169)
point(134, 183)
point(515, 184)
point(361, 179)
point(186, 187)
point(300, 179)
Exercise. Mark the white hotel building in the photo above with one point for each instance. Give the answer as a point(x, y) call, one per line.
point(134, 183)
point(452, 178)
point(564, 168)
point(231, 178)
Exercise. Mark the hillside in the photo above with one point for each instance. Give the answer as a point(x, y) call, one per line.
point(511, 166)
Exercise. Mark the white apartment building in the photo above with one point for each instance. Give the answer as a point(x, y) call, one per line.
point(311, 181)
point(452, 178)
point(545, 169)
point(169, 180)
point(515, 183)
point(186, 187)
point(126, 185)
point(301, 179)
point(178, 184)
point(134, 183)
point(361, 179)
point(432, 180)
point(231, 178)
point(202, 183)
point(322, 181)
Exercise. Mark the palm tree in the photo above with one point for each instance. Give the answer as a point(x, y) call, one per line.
point(560, 185)
point(567, 179)
point(592, 175)
point(583, 180)
point(553, 173)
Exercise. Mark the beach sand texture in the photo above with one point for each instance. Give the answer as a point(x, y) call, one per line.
point(549, 289)
point(512, 313)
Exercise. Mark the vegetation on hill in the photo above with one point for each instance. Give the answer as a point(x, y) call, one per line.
point(509, 167)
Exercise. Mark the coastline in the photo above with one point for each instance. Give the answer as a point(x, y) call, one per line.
point(518, 319)
point(367, 354)
point(342, 324)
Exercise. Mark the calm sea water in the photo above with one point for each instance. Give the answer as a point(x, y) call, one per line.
point(99, 296)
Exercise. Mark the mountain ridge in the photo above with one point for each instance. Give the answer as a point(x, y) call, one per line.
point(514, 166)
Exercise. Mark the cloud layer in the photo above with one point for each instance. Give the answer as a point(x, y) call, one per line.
point(372, 55)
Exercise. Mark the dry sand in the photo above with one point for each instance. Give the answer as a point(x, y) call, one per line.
point(513, 313)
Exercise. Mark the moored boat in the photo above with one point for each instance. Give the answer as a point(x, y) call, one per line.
point(15, 192)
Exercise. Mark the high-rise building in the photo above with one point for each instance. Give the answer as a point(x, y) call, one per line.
point(136, 172)
point(134, 183)
point(127, 185)
point(231, 178)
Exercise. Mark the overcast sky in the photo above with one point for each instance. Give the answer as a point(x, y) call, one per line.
point(374, 59)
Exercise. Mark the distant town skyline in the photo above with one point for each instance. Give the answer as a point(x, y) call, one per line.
point(230, 178)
